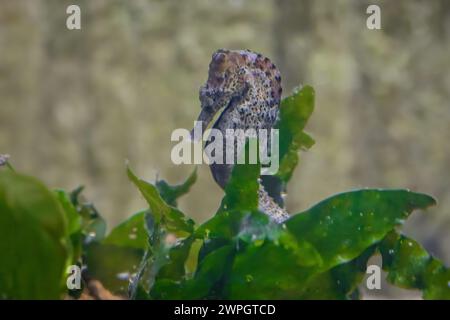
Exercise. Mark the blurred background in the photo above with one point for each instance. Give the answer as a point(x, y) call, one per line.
point(74, 105)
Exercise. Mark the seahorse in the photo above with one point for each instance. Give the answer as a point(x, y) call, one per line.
point(247, 86)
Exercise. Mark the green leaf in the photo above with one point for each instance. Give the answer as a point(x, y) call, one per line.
point(170, 193)
point(241, 192)
point(410, 266)
point(74, 220)
point(348, 276)
point(240, 200)
point(73, 217)
point(170, 218)
point(206, 283)
point(131, 233)
point(170, 240)
point(225, 224)
point(164, 260)
point(268, 271)
point(343, 226)
point(174, 268)
point(324, 250)
point(295, 111)
point(34, 239)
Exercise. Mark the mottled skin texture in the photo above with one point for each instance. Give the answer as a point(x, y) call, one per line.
point(247, 86)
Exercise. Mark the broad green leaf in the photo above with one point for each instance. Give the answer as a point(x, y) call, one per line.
point(268, 271)
point(131, 233)
point(241, 198)
point(292, 274)
point(169, 218)
point(343, 226)
point(348, 276)
point(338, 230)
point(410, 266)
point(207, 282)
point(241, 192)
point(295, 111)
point(170, 193)
point(225, 224)
point(34, 239)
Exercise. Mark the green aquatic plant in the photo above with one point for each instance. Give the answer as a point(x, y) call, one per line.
point(239, 253)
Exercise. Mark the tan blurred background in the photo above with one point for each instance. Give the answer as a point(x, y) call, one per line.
point(75, 104)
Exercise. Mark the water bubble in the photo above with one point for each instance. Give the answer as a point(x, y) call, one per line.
point(361, 214)
point(125, 276)
point(132, 236)
point(410, 244)
point(391, 251)
point(248, 278)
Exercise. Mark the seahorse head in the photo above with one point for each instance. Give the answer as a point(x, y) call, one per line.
point(234, 75)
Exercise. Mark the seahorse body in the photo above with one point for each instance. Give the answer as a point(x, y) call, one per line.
point(247, 86)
